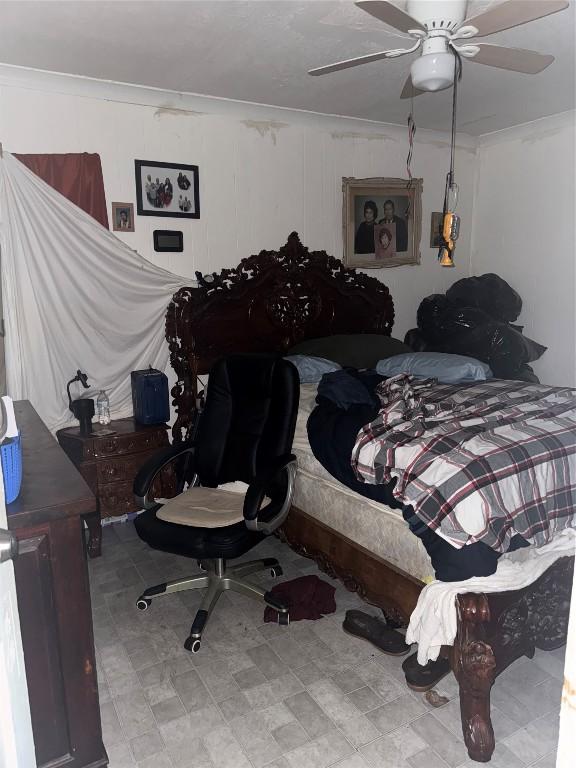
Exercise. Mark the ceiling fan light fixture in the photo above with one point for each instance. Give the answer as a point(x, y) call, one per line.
point(433, 71)
point(435, 26)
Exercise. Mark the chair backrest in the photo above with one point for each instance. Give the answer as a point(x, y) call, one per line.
point(249, 417)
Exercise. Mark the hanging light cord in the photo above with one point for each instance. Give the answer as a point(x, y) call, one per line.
point(450, 176)
point(446, 246)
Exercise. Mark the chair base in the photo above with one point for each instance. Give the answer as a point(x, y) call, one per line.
point(219, 578)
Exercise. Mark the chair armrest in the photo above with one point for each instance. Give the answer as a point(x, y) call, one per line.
point(153, 466)
point(273, 515)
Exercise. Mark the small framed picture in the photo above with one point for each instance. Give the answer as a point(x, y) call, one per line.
point(167, 189)
point(122, 217)
point(382, 222)
point(436, 222)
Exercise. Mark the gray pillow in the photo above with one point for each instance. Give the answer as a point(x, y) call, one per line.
point(311, 369)
point(354, 350)
point(448, 369)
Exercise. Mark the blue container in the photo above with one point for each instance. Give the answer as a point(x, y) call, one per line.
point(150, 398)
point(11, 455)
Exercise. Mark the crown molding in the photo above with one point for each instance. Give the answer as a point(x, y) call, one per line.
point(532, 130)
point(127, 93)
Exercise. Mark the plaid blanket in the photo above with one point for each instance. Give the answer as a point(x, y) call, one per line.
point(477, 462)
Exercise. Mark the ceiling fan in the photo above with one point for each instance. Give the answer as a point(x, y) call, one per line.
point(437, 26)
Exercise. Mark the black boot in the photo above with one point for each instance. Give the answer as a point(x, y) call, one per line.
point(376, 632)
point(422, 678)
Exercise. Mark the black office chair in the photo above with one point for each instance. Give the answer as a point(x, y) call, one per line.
point(245, 434)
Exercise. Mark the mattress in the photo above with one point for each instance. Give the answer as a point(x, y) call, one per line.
point(375, 526)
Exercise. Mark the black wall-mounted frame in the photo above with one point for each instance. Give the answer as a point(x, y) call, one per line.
point(168, 240)
point(183, 197)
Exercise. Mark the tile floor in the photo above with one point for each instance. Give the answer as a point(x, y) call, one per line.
point(303, 696)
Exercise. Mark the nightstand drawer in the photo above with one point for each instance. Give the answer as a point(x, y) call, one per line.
point(114, 470)
point(116, 499)
point(117, 445)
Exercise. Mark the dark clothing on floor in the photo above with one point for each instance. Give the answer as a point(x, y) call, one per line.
point(308, 597)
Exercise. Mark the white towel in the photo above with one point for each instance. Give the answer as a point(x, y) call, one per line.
point(11, 430)
point(434, 621)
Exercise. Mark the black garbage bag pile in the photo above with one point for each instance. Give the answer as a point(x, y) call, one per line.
point(476, 318)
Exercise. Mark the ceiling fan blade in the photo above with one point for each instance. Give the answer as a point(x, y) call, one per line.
point(516, 59)
point(408, 92)
point(389, 14)
point(513, 13)
point(356, 62)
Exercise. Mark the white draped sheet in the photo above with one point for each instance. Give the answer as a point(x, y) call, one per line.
point(75, 297)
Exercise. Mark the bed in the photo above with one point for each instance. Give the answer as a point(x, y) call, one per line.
point(268, 303)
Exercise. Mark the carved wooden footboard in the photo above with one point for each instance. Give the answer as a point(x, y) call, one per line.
point(493, 629)
point(496, 629)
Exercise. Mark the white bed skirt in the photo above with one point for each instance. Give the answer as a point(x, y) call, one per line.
point(374, 526)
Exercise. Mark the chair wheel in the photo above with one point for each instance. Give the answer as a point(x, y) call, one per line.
point(201, 565)
point(283, 619)
point(276, 571)
point(192, 644)
point(143, 603)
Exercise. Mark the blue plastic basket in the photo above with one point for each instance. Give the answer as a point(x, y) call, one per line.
point(11, 455)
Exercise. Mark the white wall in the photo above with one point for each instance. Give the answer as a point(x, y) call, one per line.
point(524, 230)
point(264, 172)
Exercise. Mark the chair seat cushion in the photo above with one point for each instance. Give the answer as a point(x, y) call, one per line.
point(204, 543)
point(204, 508)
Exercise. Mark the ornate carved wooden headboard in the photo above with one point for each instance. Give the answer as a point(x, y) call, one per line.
point(267, 303)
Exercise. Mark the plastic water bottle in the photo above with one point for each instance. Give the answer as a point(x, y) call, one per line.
point(103, 407)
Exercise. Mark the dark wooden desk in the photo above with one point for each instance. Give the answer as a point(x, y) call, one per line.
point(54, 600)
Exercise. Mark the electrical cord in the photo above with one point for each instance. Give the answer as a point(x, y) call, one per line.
point(457, 78)
point(451, 188)
point(411, 134)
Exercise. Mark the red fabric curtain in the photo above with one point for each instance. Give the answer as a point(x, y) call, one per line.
point(77, 176)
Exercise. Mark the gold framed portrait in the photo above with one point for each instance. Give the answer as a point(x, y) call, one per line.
point(382, 222)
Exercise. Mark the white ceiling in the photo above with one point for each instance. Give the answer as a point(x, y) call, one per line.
point(260, 51)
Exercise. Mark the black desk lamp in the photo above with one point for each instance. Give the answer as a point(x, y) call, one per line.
point(82, 408)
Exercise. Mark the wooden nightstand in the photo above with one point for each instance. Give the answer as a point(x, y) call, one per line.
point(109, 464)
